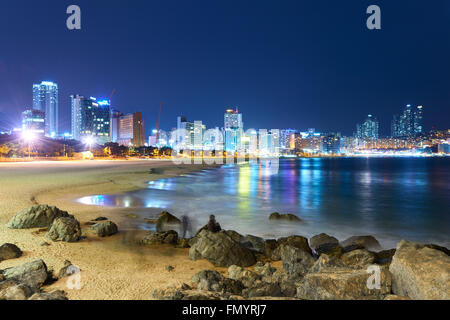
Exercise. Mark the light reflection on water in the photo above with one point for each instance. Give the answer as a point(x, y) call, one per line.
point(391, 198)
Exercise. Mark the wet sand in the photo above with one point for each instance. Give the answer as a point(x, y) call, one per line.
point(113, 267)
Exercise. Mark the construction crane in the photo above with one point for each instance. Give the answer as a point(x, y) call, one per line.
point(157, 123)
point(111, 95)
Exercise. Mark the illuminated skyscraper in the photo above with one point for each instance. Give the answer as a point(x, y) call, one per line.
point(233, 130)
point(45, 98)
point(131, 130)
point(90, 118)
point(409, 123)
point(369, 129)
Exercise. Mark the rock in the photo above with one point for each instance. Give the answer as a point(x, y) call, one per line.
point(167, 221)
point(326, 262)
point(253, 243)
point(172, 293)
point(284, 217)
point(235, 235)
point(246, 277)
point(167, 237)
point(105, 229)
point(68, 269)
point(33, 274)
point(211, 280)
point(384, 257)
point(262, 289)
point(183, 243)
point(54, 295)
point(14, 290)
point(38, 216)
point(436, 247)
point(323, 243)
point(170, 268)
point(286, 282)
point(358, 259)
point(221, 250)
point(342, 284)
point(269, 247)
point(420, 273)
point(296, 262)
point(298, 242)
point(366, 242)
point(100, 219)
point(9, 251)
point(264, 269)
point(395, 297)
point(322, 239)
point(65, 229)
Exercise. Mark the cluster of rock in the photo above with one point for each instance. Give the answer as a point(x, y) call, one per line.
point(25, 281)
point(61, 225)
point(321, 268)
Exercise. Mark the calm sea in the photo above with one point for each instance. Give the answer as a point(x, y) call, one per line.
point(390, 198)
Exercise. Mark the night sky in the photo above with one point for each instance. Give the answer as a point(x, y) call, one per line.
point(286, 64)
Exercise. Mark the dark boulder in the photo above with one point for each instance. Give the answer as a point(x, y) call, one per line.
point(33, 274)
point(366, 242)
point(167, 237)
point(9, 251)
point(167, 221)
point(211, 280)
point(65, 229)
point(105, 229)
point(296, 262)
point(221, 250)
point(298, 242)
point(38, 216)
point(284, 217)
point(54, 295)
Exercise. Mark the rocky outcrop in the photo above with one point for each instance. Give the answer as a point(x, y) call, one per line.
point(105, 229)
point(67, 270)
point(167, 237)
point(246, 277)
point(262, 289)
point(9, 251)
point(298, 242)
point(384, 257)
point(166, 222)
point(296, 262)
point(211, 280)
point(38, 216)
point(264, 269)
point(32, 274)
point(358, 259)
point(221, 250)
point(323, 243)
point(419, 272)
point(342, 284)
point(284, 217)
point(253, 243)
point(14, 290)
point(65, 229)
point(54, 295)
point(361, 242)
point(326, 262)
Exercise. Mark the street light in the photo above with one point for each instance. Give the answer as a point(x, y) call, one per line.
point(89, 141)
point(28, 136)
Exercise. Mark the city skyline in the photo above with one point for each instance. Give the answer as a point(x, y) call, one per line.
point(280, 76)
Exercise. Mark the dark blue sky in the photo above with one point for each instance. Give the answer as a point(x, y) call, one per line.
point(294, 64)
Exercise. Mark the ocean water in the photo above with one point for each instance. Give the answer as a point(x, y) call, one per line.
point(390, 198)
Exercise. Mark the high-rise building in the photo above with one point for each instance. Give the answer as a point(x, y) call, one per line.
point(190, 134)
point(131, 130)
point(369, 129)
point(409, 123)
point(233, 130)
point(114, 122)
point(45, 98)
point(90, 118)
point(331, 143)
point(33, 121)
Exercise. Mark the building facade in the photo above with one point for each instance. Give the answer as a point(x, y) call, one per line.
point(45, 98)
point(90, 118)
point(409, 123)
point(369, 129)
point(131, 130)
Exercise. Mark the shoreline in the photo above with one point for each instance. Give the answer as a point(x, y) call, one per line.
point(112, 267)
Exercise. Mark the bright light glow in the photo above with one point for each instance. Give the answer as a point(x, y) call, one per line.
point(28, 136)
point(89, 140)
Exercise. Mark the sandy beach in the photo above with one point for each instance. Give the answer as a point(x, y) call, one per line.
point(113, 267)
